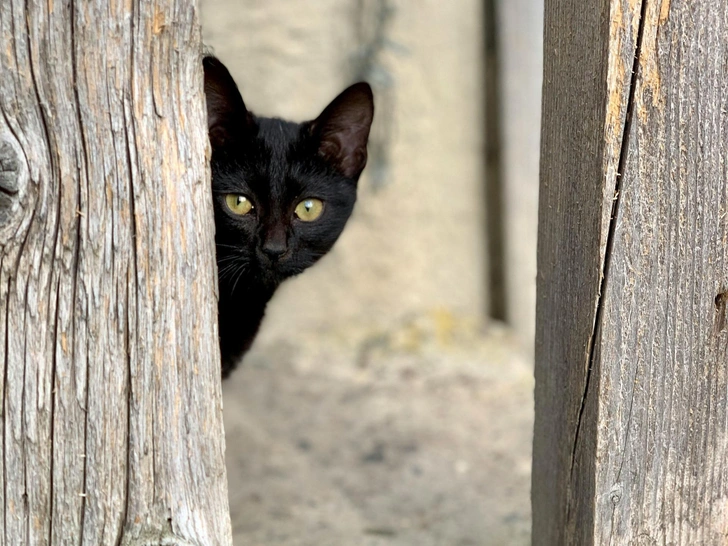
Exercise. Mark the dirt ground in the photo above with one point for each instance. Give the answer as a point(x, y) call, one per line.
point(416, 436)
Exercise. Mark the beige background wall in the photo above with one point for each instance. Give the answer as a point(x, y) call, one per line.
point(388, 425)
point(520, 37)
point(415, 242)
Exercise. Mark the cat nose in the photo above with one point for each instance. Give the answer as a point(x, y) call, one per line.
point(274, 252)
point(274, 247)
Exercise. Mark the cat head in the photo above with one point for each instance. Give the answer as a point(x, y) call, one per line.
point(282, 191)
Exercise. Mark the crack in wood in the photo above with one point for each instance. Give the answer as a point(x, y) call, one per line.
point(610, 237)
point(131, 274)
point(4, 404)
point(54, 364)
point(83, 174)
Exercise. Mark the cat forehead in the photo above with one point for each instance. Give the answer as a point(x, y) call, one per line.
point(280, 150)
point(278, 133)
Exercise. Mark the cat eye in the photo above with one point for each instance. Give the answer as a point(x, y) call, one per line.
point(238, 204)
point(309, 210)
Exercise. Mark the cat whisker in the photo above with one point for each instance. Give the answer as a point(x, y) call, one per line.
point(230, 274)
point(230, 258)
point(242, 271)
point(221, 272)
point(231, 268)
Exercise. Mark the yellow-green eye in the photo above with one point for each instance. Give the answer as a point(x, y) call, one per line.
point(309, 210)
point(238, 204)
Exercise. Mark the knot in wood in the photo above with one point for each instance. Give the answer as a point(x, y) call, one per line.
point(9, 168)
point(10, 178)
point(615, 495)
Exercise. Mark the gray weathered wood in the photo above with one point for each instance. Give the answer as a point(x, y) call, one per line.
point(111, 405)
point(631, 422)
point(572, 197)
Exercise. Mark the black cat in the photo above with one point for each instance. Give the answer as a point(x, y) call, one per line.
point(282, 194)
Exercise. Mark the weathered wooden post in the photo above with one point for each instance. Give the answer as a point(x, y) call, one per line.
point(109, 368)
point(631, 432)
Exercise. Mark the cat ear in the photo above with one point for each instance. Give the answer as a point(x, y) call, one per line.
point(226, 112)
point(342, 129)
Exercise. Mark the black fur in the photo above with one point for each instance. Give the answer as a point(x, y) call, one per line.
point(276, 164)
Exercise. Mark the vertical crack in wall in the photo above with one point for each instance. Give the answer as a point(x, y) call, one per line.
point(624, 148)
point(493, 207)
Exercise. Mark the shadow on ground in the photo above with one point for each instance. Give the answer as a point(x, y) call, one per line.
point(420, 436)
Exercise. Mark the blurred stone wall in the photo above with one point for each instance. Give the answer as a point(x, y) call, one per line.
point(415, 242)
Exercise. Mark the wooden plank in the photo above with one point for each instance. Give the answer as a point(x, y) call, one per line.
point(661, 470)
point(572, 196)
point(110, 382)
point(630, 434)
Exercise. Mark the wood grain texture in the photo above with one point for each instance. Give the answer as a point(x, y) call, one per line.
point(111, 404)
point(641, 458)
point(661, 471)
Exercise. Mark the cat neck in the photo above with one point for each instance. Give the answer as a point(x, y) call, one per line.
point(240, 314)
point(248, 293)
